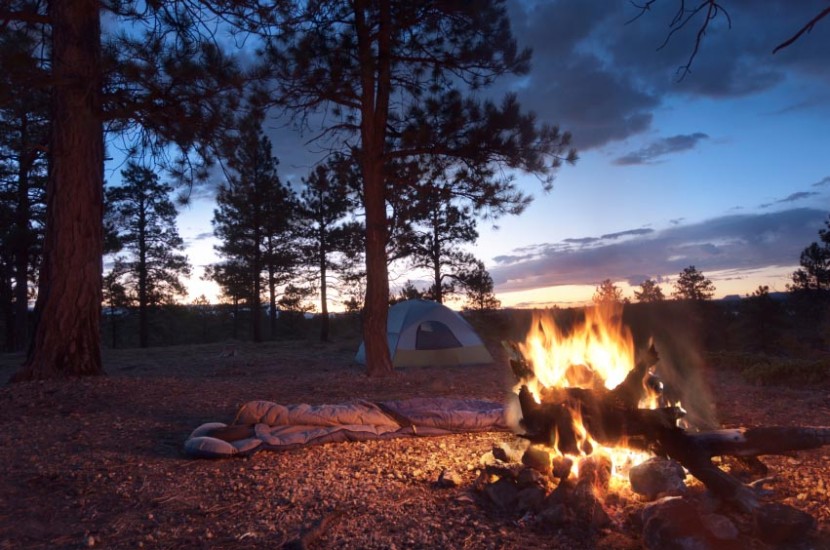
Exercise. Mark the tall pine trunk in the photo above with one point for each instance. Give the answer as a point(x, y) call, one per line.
point(378, 360)
point(272, 297)
point(375, 89)
point(324, 300)
point(438, 289)
point(143, 297)
point(256, 299)
point(23, 241)
point(67, 337)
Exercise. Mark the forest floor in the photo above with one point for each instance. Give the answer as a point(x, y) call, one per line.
point(99, 463)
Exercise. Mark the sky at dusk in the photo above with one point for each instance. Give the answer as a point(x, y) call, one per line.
point(727, 169)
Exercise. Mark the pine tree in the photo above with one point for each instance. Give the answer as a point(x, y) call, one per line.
point(814, 273)
point(232, 279)
point(323, 225)
point(479, 288)
point(115, 296)
point(145, 221)
point(649, 291)
point(692, 285)
point(607, 293)
point(439, 228)
point(165, 83)
point(809, 293)
point(253, 219)
point(24, 132)
point(387, 72)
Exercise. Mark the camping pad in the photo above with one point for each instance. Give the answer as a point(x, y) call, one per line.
point(262, 425)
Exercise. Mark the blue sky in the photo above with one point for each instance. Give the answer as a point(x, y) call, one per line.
point(726, 169)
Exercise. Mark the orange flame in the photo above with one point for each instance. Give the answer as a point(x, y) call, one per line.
point(597, 353)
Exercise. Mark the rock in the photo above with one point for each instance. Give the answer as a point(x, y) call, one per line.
point(448, 479)
point(720, 527)
point(779, 523)
point(657, 476)
point(562, 466)
point(587, 505)
point(553, 516)
point(504, 452)
point(596, 471)
point(528, 477)
point(673, 523)
point(499, 453)
point(503, 493)
point(530, 499)
point(559, 496)
point(537, 459)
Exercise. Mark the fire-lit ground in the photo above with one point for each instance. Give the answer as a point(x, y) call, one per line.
point(98, 462)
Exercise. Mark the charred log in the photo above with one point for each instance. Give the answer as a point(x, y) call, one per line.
point(656, 430)
point(639, 381)
point(612, 417)
point(518, 364)
point(602, 414)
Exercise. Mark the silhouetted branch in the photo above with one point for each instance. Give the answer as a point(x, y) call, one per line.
point(806, 28)
point(27, 16)
point(681, 19)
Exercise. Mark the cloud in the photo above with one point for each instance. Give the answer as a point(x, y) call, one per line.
point(202, 236)
point(603, 79)
point(581, 240)
point(627, 233)
point(798, 196)
point(532, 252)
point(662, 147)
point(793, 197)
point(737, 241)
point(823, 181)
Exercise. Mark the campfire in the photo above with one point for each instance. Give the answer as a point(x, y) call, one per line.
point(582, 394)
point(599, 425)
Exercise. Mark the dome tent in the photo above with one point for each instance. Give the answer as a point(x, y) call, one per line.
point(422, 332)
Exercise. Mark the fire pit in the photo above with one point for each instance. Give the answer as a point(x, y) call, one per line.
point(600, 428)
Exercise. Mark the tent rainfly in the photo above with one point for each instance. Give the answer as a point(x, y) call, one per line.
point(422, 332)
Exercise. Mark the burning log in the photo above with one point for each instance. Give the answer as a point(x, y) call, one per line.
point(567, 415)
point(602, 414)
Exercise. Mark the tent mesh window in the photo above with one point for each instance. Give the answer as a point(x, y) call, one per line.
point(435, 335)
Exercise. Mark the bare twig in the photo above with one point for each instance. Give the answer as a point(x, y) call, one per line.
point(806, 28)
point(712, 9)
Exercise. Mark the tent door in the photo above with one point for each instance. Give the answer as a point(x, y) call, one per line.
point(435, 335)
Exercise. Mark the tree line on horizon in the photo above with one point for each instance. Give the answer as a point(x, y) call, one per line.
point(389, 85)
point(811, 280)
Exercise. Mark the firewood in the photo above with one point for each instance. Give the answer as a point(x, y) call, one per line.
point(608, 422)
point(611, 417)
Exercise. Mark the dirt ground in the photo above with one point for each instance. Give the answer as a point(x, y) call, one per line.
point(99, 462)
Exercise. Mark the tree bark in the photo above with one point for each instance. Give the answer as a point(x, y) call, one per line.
point(375, 85)
point(23, 241)
point(67, 337)
point(324, 300)
point(143, 298)
point(272, 294)
point(256, 298)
